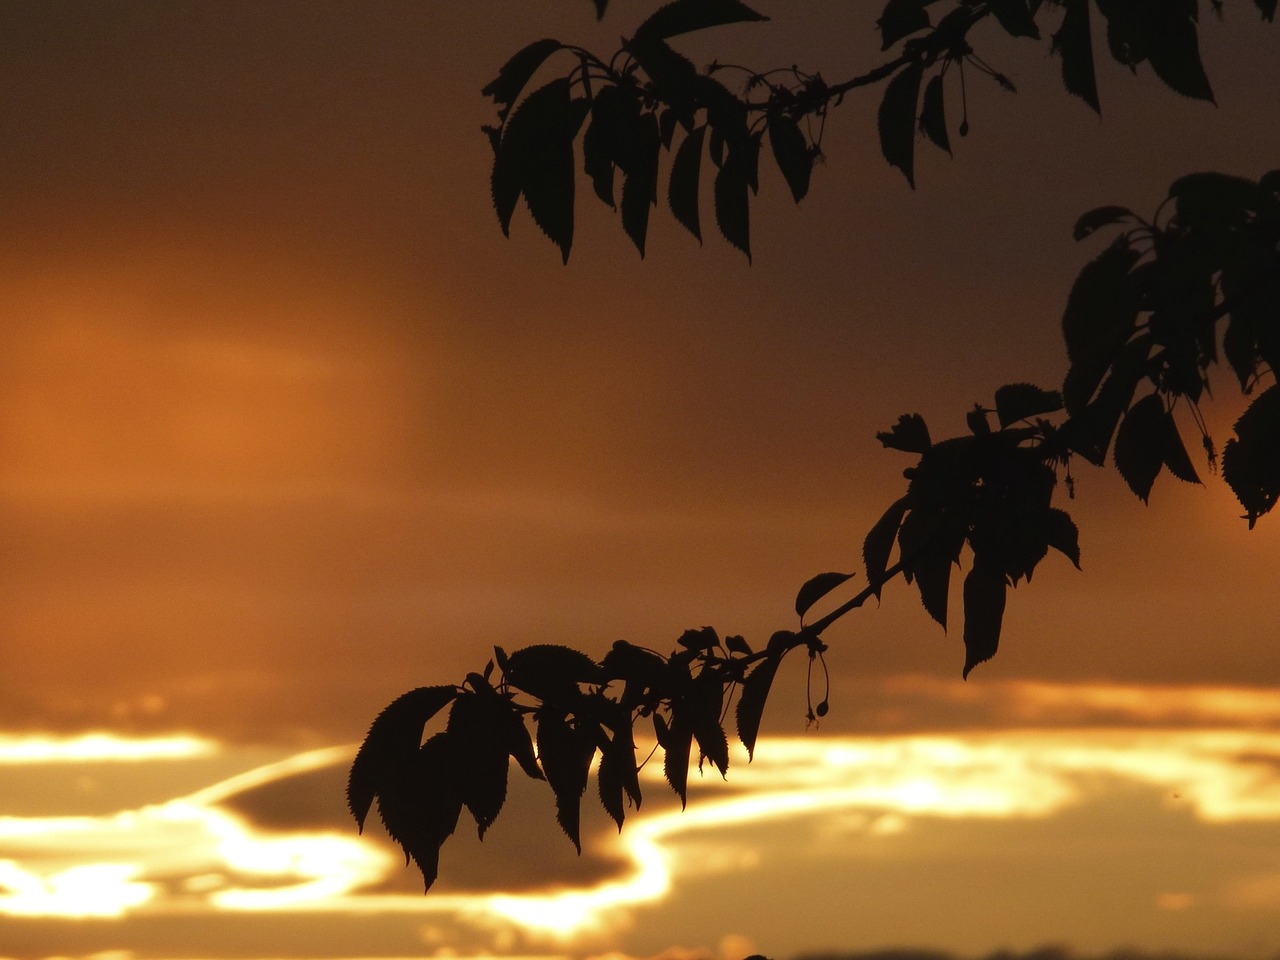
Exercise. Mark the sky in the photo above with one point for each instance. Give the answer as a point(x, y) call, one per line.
point(288, 427)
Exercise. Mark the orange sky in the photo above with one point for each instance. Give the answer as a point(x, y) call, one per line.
point(287, 427)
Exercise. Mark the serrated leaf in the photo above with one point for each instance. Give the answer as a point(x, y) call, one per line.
point(1175, 452)
point(731, 203)
point(478, 739)
point(702, 638)
point(391, 744)
point(1015, 17)
point(597, 160)
point(931, 569)
point(755, 692)
point(1100, 316)
point(984, 600)
point(420, 806)
point(1021, 401)
point(791, 153)
point(505, 88)
point(682, 187)
point(551, 671)
point(1074, 44)
point(701, 710)
point(1062, 535)
point(685, 16)
point(1093, 425)
point(933, 115)
point(910, 434)
point(896, 120)
point(617, 776)
point(1140, 445)
point(1173, 48)
point(565, 751)
point(901, 18)
point(815, 588)
point(1100, 217)
point(879, 542)
point(1251, 459)
point(675, 757)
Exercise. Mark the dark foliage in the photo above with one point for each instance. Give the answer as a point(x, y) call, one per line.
point(1145, 322)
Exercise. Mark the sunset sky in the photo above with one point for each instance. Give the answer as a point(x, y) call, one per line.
point(287, 427)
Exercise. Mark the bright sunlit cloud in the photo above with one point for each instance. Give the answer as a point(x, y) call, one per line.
point(100, 747)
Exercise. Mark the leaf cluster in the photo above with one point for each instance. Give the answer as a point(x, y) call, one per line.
point(1162, 304)
point(559, 714)
point(622, 113)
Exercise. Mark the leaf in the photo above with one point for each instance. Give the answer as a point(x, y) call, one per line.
point(815, 588)
point(682, 188)
point(565, 751)
point(478, 740)
point(420, 806)
point(932, 571)
point(701, 710)
point(392, 744)
point(535, 158)
point(1251, 459)
point(791, 153)
point(550, 671)
point(909, 434)
point(1267, 8)
point(896, 120)
point(1015, 17)
point(1062, 535)
point(933, 117)
point(703, 638)
point(1093, 426)
point(517, 72)
point(1173, 48)
point(685, 16)
point(731, 203)
point(1075, 45)
point(600, 8)
point(1100, 217)
point(640, 184)
point(755, 691)
point(1140, 445)
point(901, 18)
point(675, 757)
point(879, 542)
point(984, 599)
point(597, 161)
point(1100, 316)
point(1175, 452)
point(617, 777)
point(735, 644)
point(1021, 401)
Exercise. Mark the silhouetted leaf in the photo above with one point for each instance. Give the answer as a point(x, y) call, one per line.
point(791, 153)
point(511, 79)
point(640, 185)
point(1015, 17)
point(1100, 217)
point(420, 806)
point(1140, 444)
point(700, 709)
point(910, 434)
point(1251, 459)
point(535, 158)
point(933, 116)
point(1175, 452)
point(1021, 401)
point(901, 18)
point(391, 744)
point(617, 776)
point(755, 691)
point(682, 188)
point(685, 16)
point(896, 120)
point(600, 6)
point(1267, 8)
point(735, 644)
point(1093, 426)
point(550, 672)
point(1211, 198)
point(1173, 48)
point(565, 751)
point(1100, 315)
point(479, 725)
point(597, 158)
point(984, 599)
point(815, 588)
point(1061, 534)
point(932, 572)
point(1075, 45)
point(731, 203)
point(675, 757)
point(879, 542)
point(703, 638)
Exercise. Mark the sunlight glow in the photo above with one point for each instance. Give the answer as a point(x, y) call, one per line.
point(87, 890)
point(100, 747)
